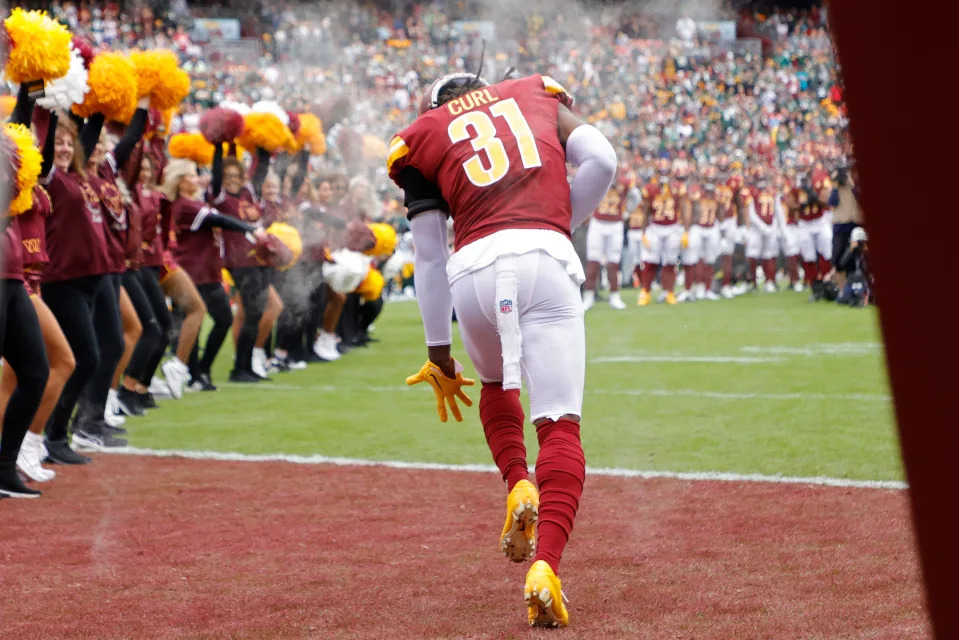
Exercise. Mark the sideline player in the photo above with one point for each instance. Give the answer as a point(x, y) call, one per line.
point(604, 240)
point(664, 203)
point(493, 157)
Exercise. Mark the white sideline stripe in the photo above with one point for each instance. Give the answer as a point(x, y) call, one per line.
point(694, 393)
point(706, 359)
point(714, 476)
point(817, 350)
point(724, 395)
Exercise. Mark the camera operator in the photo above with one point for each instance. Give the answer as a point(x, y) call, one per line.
point(858, 289)
point(847, 216)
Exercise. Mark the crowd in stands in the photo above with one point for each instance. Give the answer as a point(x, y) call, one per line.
point(720, 141)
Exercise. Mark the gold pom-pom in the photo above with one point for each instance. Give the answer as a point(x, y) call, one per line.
point(290, 237)
point(264, 130)
point(311, 133)
point(113, 88)
point(191, 146)
point(160, 77)
point(29, 170)
point(372, 286)
point(385, 239)
point(7, 103)
point(40, 47)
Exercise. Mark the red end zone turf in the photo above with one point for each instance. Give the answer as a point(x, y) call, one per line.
point(169, 548)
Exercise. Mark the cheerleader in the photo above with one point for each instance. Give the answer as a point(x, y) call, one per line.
point(198, 251)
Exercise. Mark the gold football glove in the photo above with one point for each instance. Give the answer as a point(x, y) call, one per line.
point(446, 389)
point(685, 240)
point(647, 243)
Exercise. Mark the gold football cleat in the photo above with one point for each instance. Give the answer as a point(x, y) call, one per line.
point(544, 597)
point(518, 541)
point(671, 298)
point(644, 298)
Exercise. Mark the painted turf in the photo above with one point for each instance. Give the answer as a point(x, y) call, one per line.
point(713, 476)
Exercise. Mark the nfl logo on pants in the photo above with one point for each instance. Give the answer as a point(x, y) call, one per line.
point(505, 306)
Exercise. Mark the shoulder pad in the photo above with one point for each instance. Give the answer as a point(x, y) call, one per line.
point(555, 88)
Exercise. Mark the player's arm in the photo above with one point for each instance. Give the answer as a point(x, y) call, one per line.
point(426, 210)
point(589, 150)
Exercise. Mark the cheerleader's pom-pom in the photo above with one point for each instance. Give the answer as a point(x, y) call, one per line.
point(268, 106)
point(7, 103)
point(39, 47)
point(173, 88)
point(191, 146)
point(69, 90)
point(264, 130)
point(219, 125)
point(86, 50)
point(28, 163)
point(311, 134)
point(113, 88)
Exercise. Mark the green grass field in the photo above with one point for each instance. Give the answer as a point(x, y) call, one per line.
point(760, 384)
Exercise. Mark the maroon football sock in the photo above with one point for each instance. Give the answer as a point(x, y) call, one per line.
point(502, 416)
point(612, 273)
point(810, 271)
point(769, 268)
point(592, 276)
point(669, 278)
point(726, 264)
point(706, 275)
point(792, 268)
point(751, 274)
point(560, 474)
point(648, 275)
point(690, 272)
point(824, 267)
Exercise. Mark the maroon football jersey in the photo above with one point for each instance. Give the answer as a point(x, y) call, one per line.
point(613, 205)
point(238, 252)
point(197, 250)
point(76, 242)
point(764, 202)
point(12, 250)
point(33, 230)
point(665, 202)
point(151, 226)
point(115, 214)
point(496, 157)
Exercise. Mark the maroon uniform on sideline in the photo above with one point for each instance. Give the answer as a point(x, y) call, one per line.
point(613, 206)
point(764, 202)
point(198, 251)
point(511, 124)
point(238, 252)
point(76, 242)
point(665, 202)
point(33, 238)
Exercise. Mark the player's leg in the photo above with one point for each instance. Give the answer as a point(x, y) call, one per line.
point(691, 256)
point(754, 246)
point(789, 245)
point(807, 252)
point(672, 243)
point(594, 257)
point(711, 246)
point(636, 248)
point(728, 247)
point(613, 256)
point(652, 254)
point(554, 366)
point(770, 250)
point(824, 247)
point(477, 306)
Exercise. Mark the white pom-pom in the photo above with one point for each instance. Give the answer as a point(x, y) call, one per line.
point(239, 107)
point(268, 106)
point(68, 90)
point(347, 270)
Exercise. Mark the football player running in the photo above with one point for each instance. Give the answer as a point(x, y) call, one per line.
point(493, 158)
